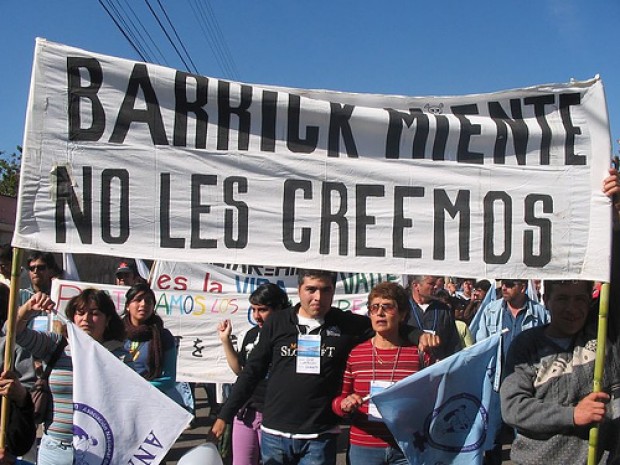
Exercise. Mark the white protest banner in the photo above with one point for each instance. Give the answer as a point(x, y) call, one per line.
point(192, 317)
point(131, 159)
point(139, 426)
point(244, 279)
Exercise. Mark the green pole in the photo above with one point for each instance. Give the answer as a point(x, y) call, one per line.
point(599, 367)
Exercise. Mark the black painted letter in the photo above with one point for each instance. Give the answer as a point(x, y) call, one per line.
point(467, 130)
point(530, 258)
point(165, 240)
point(339, 123)
point(140, 80)
point(338, 218)
point(505, 201)
point(183, 107)
point(288, 215)
point(197, 208)
point(570, 158)
point(461, 207)
point(294, 141)
point(76, 92)
point(362, 192)
point(65, 195)
point(401, 221)
point(240, 184)
point(122, 176)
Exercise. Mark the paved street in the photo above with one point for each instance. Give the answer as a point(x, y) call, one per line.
point(196, 436)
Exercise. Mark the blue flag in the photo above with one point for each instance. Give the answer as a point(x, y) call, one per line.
point(448, 412)
point(488, 298)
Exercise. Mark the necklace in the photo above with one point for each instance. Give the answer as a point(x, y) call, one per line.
point(382, 361)
point(375, 355)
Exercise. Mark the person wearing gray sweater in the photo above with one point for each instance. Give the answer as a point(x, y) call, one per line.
point(547, 393)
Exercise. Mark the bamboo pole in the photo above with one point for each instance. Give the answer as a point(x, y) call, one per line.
point(10, 338)
point(599, 367)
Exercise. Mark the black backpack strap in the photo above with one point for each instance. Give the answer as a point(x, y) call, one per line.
point(54, 358)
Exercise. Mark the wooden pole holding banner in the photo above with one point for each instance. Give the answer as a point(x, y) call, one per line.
point(599, 367)
point(10, 338)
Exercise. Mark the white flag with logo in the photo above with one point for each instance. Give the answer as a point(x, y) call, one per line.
point(118, 416)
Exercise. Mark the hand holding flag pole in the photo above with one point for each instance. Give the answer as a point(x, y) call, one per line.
point(10, 339)
point(610, 188)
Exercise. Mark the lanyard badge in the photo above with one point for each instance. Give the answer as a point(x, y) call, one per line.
point(309, 354)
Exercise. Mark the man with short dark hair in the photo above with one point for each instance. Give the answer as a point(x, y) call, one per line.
point(42, 267)
point(466, 290)
point(515, 311)
point(304, 348)
point(547, 392)
point(432, 316)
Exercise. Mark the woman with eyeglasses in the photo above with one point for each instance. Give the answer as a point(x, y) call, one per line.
point(371, 367)
point(152, 347)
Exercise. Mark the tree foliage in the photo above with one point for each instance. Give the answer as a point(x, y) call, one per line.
point(9, 172)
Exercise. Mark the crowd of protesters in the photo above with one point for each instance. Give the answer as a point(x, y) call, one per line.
point(286, 407)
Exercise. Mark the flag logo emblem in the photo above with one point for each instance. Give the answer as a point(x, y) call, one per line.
point(92, 436)
point(449, 426)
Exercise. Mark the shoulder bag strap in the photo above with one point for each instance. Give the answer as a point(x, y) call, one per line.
point(54, 358)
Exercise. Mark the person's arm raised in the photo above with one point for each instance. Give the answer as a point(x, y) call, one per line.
point(37, 303)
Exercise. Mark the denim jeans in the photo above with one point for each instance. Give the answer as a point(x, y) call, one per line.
point(361, 455)
point(54, 452)
point(278, 450)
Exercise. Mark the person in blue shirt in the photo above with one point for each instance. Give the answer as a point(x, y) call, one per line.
point(515, 311)
point(151, 346)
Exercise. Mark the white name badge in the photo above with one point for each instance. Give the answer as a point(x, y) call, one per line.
point(41, 323)
point(376, 387)
point(309, 354)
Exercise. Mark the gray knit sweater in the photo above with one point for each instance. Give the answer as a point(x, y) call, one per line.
point(543, 384)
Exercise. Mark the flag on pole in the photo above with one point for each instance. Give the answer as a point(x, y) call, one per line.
point(70, 270)
point(118, 417)
point(531, 290)
point(448, 412)
point(490, 296)
point(143, 270)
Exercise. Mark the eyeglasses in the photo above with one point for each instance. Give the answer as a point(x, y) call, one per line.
point(509, 283)
point(386, 308)
point(34, 268)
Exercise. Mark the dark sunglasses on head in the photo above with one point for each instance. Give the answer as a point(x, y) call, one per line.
point(37, 267)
